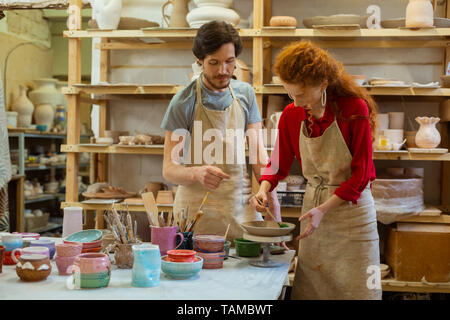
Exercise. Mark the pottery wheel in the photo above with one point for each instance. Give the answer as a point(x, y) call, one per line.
point(266, 241)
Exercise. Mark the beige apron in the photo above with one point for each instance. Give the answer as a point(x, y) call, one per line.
point(227, 204)
point(333, 261)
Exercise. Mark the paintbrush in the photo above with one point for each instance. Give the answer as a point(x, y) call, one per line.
point(161, 219)
point(169, 219)
point(130, 228)
point(197, 217)
point(203, 202)
point(119, 225)
point(135, 229)
point(183, 221)
point(226, 232)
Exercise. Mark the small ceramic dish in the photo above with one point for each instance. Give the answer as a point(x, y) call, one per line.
point(85, 236)
point(181, 270)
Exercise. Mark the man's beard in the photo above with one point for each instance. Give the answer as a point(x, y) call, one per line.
point(212, 84)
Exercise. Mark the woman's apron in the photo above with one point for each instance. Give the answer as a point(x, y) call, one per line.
point(227, 204)
point(333, 261)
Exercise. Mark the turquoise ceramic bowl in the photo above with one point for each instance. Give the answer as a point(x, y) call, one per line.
point(85, 236)
point(181, 270)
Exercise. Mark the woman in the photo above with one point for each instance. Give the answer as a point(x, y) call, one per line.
point(329, 130)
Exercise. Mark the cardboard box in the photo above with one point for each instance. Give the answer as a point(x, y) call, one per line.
point(417, 250)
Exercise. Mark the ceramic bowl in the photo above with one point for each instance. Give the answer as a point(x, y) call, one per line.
point(212, 260)
point(384, 269)
point(98, 249)
point(337, 19)
point(181, 270)
point(65, 264)
point(208, 243)
point(215, 3)
point(114, 134)
point(33, 267)
point(68, 249)
point(50, 244)
point(85, 236)
point(199, 16)
point(247, 248)
point(181, 256)
point(24, 235)
point(267, 228)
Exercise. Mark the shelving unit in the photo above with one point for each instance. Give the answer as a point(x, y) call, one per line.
point(262, 40)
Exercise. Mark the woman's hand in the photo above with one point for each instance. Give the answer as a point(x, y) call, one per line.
point(315, 215)
point(260, 200)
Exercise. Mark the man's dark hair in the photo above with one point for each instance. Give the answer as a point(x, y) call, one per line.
point(212, 35)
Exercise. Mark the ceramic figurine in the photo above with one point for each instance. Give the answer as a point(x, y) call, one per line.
point(147, 265)
point(428, 136)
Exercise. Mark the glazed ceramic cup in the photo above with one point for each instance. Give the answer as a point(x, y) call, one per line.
point(212, 260)
point(12, 241)
point(187, 243)
point(33, 267)
point(147, 265)
point(68, 249)
point(65, 265)
point(2, 251)
point(165, 238)
point(91, 270)
point(50, 244)
point(30, 250)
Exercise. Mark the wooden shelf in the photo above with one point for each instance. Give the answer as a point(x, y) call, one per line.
point(48, 227)
point(409, 286)
point(119, 206)
point(123, 89)
point(162, 33)
point(48, 167)
point(405, 155)
point(43, 197)
point(114, 149)
point(375, 91)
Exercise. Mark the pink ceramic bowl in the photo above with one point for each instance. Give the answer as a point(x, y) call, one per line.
point(208, 243)
point(65, 264)
point(68, 249)
point(212, 260)
point(92, 263)
point(87, 245)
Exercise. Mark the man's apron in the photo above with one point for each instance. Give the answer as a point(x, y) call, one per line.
point(333, 261)
point(227, 204)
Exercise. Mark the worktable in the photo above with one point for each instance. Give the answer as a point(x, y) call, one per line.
point(237, 280)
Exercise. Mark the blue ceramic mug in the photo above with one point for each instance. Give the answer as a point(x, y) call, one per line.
point(12, 241)
point(146, 266)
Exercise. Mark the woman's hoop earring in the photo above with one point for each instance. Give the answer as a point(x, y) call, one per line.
point(323, 99)
point(290, 97)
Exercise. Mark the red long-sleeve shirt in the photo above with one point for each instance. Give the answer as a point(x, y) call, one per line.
point(356, 133)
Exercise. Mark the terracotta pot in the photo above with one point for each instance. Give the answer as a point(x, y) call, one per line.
point(164, 197)
point(180, 10)
point(428, 136)
point(44, 115)
point(419, 14)
point(33, 267)
point(24, 107)
point(45, 93)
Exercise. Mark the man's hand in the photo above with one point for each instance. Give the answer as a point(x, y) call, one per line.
point(209, 176)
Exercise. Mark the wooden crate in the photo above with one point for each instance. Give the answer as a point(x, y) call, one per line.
point(417, 250)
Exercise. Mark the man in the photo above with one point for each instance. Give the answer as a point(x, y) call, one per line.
point(217, 109)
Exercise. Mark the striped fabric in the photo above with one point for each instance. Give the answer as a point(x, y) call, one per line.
point(4, 209)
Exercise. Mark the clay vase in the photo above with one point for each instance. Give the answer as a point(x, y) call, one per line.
point(428, 136)
point(419, 14)
point(24, 107)
point(43, 115)
point(179, 12)
point(107, 13)
point(45, 93)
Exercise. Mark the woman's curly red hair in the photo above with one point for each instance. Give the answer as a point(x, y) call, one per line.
point(308, 65)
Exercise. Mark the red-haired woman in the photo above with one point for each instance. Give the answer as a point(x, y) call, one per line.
point(328, 128)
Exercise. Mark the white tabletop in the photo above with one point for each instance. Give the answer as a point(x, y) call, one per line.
point(237, 280)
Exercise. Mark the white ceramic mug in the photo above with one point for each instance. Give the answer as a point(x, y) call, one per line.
point(30, 250)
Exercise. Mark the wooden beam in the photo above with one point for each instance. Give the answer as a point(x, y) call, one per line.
point(103, 170)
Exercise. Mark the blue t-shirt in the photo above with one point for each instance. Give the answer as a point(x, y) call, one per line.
point(180, 114)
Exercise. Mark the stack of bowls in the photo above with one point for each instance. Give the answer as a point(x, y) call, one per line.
point(90, 239)
point(181, 264)
point(65, 256)
point(211, 249)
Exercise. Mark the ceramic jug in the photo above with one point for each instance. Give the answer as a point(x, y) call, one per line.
point(147, 265)
point(24, 107)
point(107, 13)
point(179, 12)
point(427, 136)
point(419, 14)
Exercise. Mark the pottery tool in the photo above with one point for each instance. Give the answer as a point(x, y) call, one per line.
point(169, 219)
point(226, 232)
point(135, 229)
point(183, 221)
point(161, 219)
point(119, 225)
point(281, 225)
point(203, 202)
point(116, 236)
point(197, 217)
point(151, 208)
point(130, 228)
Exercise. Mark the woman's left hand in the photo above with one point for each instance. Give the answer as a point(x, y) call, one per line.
point(315, 215)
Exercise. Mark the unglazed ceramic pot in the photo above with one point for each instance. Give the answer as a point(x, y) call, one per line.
point(33, 267)
point(199, 16)
point(179, 12)
point(428, 136)
point(419, 14)
point(45, 93)
point(107, 13)
point(215, 3)
point(24, 107)
point(44, 115)
point(123, 255)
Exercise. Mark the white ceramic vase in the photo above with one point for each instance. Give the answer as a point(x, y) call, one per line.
point(428, 136)
point(199, 16)
point(106, 13)
point(44, 115)
point(45, 93)
point(24, 107)
point(419, 14)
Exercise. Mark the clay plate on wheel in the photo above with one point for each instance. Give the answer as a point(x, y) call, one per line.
point(267, 228)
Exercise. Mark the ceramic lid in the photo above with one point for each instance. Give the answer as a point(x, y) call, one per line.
point(209, 237)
